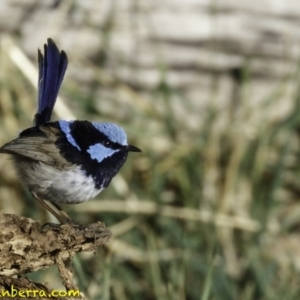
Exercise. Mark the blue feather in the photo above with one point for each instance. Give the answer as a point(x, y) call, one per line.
point(65, 127)
point(114, 132)
point(100, 152)
point(52, 68)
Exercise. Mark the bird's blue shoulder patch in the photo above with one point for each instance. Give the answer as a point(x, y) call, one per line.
point(65, 128)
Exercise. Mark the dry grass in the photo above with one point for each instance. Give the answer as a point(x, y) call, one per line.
point(211, 213)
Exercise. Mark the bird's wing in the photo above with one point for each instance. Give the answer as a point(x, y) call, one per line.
point(38, 143)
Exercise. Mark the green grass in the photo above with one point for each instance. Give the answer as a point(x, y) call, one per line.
point(227, 195)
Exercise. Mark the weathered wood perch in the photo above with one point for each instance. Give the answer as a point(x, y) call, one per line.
point(27, 246)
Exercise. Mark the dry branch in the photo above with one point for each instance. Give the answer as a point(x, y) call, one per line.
point(27, 245)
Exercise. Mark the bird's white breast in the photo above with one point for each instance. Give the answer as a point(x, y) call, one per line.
point(76, 186)
point(59, 186)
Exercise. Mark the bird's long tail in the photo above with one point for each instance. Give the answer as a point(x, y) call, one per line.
point(52, 68)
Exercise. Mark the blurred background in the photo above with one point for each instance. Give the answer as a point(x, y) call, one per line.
point(209, 90)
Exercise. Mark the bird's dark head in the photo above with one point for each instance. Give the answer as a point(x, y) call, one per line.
point(112, 139)
point(97, 140)
point(100, 148)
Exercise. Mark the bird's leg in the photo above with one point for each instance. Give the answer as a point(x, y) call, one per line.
point(57, 215)
point(68, 218)
point(62, 212)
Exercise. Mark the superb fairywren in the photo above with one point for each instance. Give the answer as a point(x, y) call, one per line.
point(65, 162)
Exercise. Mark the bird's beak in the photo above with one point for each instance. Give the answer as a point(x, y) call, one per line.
point(133, 149)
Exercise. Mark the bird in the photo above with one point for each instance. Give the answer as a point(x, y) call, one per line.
point(65, 162)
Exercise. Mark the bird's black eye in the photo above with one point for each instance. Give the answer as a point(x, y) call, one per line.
point(107, 143)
